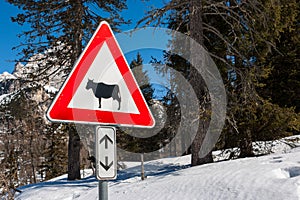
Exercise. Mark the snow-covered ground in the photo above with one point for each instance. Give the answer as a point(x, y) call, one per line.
point(275, 176)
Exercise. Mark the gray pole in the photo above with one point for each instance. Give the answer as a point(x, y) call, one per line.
point(142, 167)
point(103, 190)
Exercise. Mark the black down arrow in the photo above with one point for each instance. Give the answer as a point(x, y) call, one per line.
point(106, 166)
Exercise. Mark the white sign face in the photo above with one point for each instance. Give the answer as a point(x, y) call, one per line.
point(104, 69)
point(106, 162)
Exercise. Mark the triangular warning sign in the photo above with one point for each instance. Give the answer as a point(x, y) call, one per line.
point(101, 88)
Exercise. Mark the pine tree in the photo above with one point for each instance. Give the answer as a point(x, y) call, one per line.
point(139, 140)
point(64, 27)
point(281, 84)
point(143, 80)
point(25, 138)
point(228, 30)
point(137, 144)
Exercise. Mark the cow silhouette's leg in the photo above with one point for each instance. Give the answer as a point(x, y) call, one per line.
point(116, 95)
point(99, 102)
point(119, 100)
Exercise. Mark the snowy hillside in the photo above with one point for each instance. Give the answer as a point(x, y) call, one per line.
point(275, 176)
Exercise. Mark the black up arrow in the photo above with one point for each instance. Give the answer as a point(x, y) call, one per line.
point(106, 166)
point(106, 139)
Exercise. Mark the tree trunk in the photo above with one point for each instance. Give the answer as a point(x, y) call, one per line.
point(197, 159)
point(196, 32)
point(73, 154)
point(246, 145)
point(74, 139)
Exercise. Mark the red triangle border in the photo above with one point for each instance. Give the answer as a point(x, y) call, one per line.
point(59, 110)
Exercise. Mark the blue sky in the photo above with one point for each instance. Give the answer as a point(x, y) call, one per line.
point(8, 35)
point(9, 30)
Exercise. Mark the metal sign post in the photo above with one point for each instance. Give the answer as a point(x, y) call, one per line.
point(103, 190)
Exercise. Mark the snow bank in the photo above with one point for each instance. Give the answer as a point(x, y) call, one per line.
point(275, 176)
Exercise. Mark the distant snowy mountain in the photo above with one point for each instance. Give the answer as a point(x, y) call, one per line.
point(6, 76)
point(6, 80)
point(33, 74)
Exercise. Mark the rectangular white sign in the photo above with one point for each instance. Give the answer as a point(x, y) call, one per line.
point(106, 157)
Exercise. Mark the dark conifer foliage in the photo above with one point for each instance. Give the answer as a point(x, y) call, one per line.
point(63, 26)
point(60, 30)
point(31, 150)
point(244, 38)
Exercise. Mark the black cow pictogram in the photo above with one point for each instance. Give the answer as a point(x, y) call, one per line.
point(102, 90)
